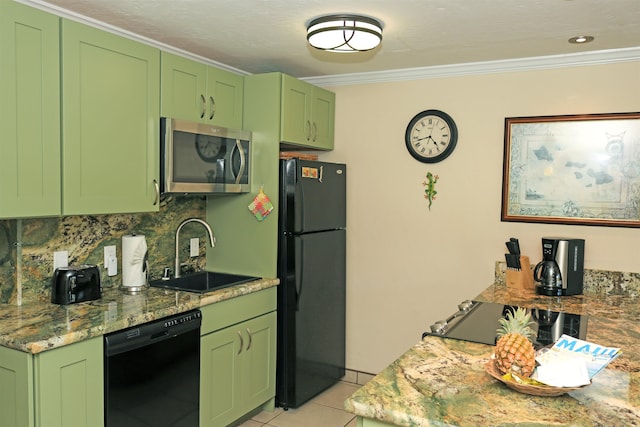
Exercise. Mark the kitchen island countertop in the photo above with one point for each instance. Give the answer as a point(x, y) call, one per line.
point(442, 382)
point(37, 327)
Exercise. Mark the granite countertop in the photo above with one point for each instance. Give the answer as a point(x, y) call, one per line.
point(37, 327)
point(442, 382)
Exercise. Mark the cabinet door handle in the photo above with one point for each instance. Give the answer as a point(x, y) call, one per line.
point(308, 130)
point(315, 132)
point(157, 187)
point(213, 108)
point(204, 106)
point(241, 342)
point(250, 339)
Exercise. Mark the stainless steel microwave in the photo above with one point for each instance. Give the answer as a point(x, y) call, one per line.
point(205, 159)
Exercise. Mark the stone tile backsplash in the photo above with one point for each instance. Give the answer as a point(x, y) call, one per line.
point(27, 245)
point(595, 281)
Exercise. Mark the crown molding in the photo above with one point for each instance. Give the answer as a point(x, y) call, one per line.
point(418, 73)
point(64, 13)
point(476, 68)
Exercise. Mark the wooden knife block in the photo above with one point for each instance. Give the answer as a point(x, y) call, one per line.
point(521, 280)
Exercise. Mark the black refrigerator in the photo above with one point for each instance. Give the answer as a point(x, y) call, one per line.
point(312, 273)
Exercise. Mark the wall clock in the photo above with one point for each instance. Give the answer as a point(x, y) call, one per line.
point(431, 136)
point(209, 149)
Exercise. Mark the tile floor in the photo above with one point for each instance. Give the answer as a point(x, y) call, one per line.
point(325, 410)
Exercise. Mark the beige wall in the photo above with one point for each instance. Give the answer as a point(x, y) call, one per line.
point(408, 266)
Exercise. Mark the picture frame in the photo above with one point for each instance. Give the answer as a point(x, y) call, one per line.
point(572, 169)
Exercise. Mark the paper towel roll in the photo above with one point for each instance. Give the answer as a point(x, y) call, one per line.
point(134, 261)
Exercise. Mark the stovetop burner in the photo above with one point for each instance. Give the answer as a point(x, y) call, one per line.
point(478, 321)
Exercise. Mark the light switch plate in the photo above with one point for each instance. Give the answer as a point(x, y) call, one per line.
point(110, 260)
point(194, 247)
point(109, 252)
point(60, 259)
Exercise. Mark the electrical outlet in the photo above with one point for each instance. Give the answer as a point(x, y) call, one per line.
point(60, 259)
point(194, 247)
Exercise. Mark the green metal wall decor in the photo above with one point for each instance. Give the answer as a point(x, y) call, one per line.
point(430, 190)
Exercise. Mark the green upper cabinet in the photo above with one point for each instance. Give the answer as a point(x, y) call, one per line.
point(196, 92)
point(29, 112)
point(110, 122)
point(308, 114)
point(225, 92)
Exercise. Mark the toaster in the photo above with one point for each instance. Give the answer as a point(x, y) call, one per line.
point(75, 284)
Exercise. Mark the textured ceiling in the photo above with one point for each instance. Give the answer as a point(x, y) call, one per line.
point(258, 36)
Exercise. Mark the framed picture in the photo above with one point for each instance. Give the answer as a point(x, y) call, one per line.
point(581, 169)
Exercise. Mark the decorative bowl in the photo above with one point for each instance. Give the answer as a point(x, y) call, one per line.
point(534, 390)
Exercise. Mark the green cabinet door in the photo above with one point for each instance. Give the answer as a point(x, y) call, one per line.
point(323, 110)
point(110, 122)
point(219, 383)
point(307, 114)
point(296, 126)
point(237, 357)
point(259, 364)
point(196, 92)
point(62, 387)
point(184, 83)
point(16, 388)
point(29, 112)
point(237, 370)
point(224, 95)
point(70, 385)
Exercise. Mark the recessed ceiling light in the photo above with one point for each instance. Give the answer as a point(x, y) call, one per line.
point(581, 39)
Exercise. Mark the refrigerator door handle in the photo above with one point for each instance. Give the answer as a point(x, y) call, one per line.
point(299, 274)
point(298, 211)
point(321, 173)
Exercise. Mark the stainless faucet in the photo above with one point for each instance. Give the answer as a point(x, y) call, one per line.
point(212, 240)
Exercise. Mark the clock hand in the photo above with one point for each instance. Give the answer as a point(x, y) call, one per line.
point(433, 140)
point(420, 139)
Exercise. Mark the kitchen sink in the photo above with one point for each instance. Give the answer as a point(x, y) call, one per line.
point(202, 282)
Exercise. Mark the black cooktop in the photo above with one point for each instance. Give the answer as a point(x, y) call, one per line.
point(478, 321)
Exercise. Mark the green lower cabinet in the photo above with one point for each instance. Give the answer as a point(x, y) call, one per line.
point(16, 388)
point(69, 383)
point(237, 370)
point(62, 387)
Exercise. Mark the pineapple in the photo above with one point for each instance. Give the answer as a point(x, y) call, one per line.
point(514, 349)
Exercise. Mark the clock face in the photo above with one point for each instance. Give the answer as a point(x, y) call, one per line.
point(431, 136)
point(208, 148)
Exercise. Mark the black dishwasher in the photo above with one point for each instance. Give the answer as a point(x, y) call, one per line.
point(152, 373)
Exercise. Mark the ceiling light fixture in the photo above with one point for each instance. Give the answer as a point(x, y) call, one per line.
point(581, 39)
point(344, 33)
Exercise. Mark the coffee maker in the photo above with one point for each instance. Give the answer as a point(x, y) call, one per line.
point(561, 271)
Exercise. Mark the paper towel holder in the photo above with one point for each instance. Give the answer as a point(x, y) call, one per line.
point(138, 253)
